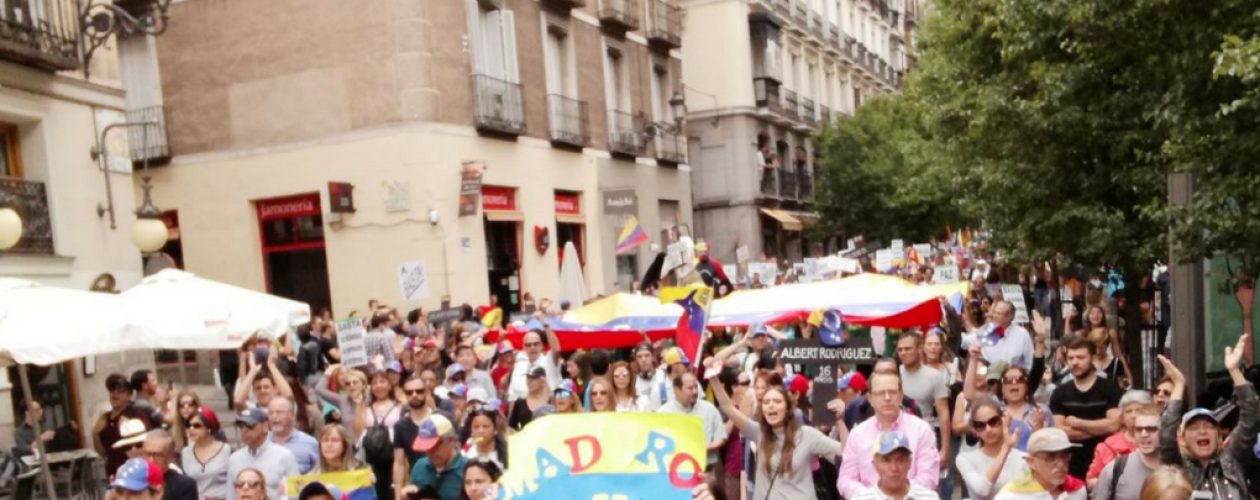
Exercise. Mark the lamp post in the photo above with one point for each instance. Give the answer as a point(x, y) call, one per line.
point(678, 105)
point(10, 228)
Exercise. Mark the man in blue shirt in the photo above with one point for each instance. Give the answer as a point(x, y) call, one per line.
point(442, 467)
point(281, 415)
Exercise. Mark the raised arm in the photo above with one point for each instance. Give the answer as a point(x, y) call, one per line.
point(240, 396)
point(553, 342)
point(1242, 440)
point(733, 348)
point(277, 377)
point(1170, 421)
point(973, 373)
point(724, 400)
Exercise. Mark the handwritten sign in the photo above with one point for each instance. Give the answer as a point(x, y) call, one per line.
point(811, 352)
point(1015, 295)
point(651, 455)
point(741, 254)
point(413, 280)
point(945, 274)
point(351, 341)
point(884, 260)
point(764, 272)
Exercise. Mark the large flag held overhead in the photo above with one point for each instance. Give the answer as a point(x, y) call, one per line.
point(695, 302)
point(631, 236)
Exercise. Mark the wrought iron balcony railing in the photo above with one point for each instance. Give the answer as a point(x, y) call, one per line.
point(804, 183)
point(670, 148)
point(807, 111)
point(622, 14)
point(665, 29)
point(770, 181)
point(790, 106)
point(766, 93)
point(569, 120)
point(498, 105)
point(40, 33)
point(30, 200)
point(824, 114)
point(148, 143)
point(624, 134)
point(787, 185)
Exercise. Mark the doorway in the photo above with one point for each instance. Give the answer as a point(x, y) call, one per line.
point(504, 264)
point(294, 259)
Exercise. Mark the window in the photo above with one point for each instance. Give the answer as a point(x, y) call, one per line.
point(10, 152)
point(618, 82)
point(810, 87)
point(662, 91)
point(492, 34)
point(558, 52)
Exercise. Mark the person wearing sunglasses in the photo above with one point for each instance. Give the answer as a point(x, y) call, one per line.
point(250, 484)
point(534, 357)
point(996, 460)
point(205, 459)
point(1124, 476)
point(1122, 442)
point(159, 448)
point(1047, 478)
point(565, 398)
point(274, 462)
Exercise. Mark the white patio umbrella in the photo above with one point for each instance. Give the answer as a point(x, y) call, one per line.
point(175, 309)
point(572, 285)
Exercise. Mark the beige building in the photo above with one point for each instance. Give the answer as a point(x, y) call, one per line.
point(788, 68)
point(562, 101)
point(51, 115)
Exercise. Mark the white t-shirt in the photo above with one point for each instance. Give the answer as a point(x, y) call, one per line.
point(974, 466)
point(925, 386)
point(916, 493)
point(517, 386)
point(1015, 347)
point(714, 430)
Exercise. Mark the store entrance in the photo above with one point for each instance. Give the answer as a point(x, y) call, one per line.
point(293, 249)
point(503, 263)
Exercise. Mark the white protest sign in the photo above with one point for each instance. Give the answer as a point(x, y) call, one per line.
point(945, 274)
point(351, 342)
point(1065, 293)
point(732, 271)
point(851, 266)
point(1015, 295)
point(898, 246)
point(811, 267)
point(924, 250)
point(884, 260)
point(741, 254)
point(413, 280)
point(764, 272)
point(675, 255)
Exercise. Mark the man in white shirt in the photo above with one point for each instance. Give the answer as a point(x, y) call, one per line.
point(1013, 343)
point(687, 402)
point(892, 465)
point(651, 378)
point(275, 462)
point(531, 357)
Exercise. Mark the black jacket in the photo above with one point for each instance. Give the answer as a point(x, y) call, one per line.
point(178, 486)
point(1226, 475)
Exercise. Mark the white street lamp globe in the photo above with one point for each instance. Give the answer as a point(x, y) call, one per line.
point(148, 234)
point(10, 228)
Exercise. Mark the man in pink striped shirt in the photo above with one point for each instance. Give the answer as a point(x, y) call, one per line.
point(857, 470)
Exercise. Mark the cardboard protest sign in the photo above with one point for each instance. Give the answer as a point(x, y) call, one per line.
point(650, 455)
point(413, 280)
point(945, 274)
point(1015, 295)
point(352, 342)
point(766, 272)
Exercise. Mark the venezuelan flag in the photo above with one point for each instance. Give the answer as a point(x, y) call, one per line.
point(353, 485)
point(631, 236)
point(695, 302)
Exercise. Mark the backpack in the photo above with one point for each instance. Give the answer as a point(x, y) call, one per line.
point(378, 446)
point(1116, 471)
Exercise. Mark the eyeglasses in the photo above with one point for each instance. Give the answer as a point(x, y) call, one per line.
point(1018, 379)
point(599, 393)
point(1162, 392)
point(250, 485)
point(990, 423)
point(1053, 456)
point(1146, 429)
point(413, 392)
point(533, 344)
point(196, 425)
point(187, 404)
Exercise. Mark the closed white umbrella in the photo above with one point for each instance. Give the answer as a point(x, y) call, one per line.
point(572, 285)
point(175, 309)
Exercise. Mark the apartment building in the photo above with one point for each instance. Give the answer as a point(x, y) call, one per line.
point(474, 137)
point(763, 76)
point(75, 215)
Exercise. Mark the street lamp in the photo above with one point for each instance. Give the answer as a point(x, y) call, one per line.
point(10, 228)
point(149, 232)
point(678, 105)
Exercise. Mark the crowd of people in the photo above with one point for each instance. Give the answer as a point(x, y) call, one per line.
point(984, 409)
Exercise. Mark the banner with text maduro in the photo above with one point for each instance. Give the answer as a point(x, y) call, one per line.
point(354, 484)
point(605, 455)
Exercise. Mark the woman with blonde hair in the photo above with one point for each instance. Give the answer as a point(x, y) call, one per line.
point(353, 404)
point(336, 451)
point(1167, 483)
point(1110, 358)
point(624, 396)
point(601, 394)
point(565, 398)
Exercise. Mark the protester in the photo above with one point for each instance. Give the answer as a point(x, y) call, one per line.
point(857, 473)
point(336, 451)
point(1016, 389)
point(892, 459)
point(930, 390)
point(159, 448)
point(205, 458)
point(353, 404)
point(311, 361)
point(532, 358)
point(578, 369)
point(650, 380)
point(1194, 440)
point(936, 356)
point(860, 409)
point(144, 383)
point(601, 395)
point(304, 447)
point(483, 437)
point(1123, 477)
point(539, 396)
point(275, 462)
point(1163, 391)
point(107, 430)
point(624, 395)
point(687, 402)
point(251, 484)
point(736, 381)
point(786, 448)
point(996, 461)
point(317, 490)
point(186, 404)
point(262, 376)
point(1121, 442)
point(1047, 478)
point(565, 398)
point(138, 479)
point(479, 480)
point(420, 405)
point(442, 466)
point(379, 340)
point(1086, 408)
point(1013, 344)
point(1109, 356)
point(501, 370)
point(466, 358)
point(1167, 483)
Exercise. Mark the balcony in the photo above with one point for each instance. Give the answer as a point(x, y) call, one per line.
point(816, 27)
point(623, 134)
point(665, 29)
point(619, 14)
point(787, 185)
point(40, 33)
point(824, 115)
point(148, 143)
point(766, 92)
point(497, 106)
point(807, 112)
point(566, 4)
point(30, 200)
point(804, 183)
point(769, 181)
point(569, 121)
point(670, 148)
point(790, 105)
point(800, 15)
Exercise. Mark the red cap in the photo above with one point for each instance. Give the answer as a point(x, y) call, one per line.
point(799, 384)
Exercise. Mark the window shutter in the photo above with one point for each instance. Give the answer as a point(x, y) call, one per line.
point(491, 38)
point(476, 46)
point(507, 35)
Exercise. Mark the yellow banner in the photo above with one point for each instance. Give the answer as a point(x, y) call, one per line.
point(605, 455)
point(351, 483)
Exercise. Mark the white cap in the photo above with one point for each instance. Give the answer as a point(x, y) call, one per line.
point(478, 394)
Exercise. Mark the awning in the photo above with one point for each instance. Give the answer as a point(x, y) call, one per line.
point(504, 216)
point(570, 219)
point(808, 219)
point(785, 219)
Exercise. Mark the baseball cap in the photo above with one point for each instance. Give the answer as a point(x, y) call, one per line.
point(252, 417)
point(537, 372)
point(892, 441)
point(318, 488)
point(454, 369)
point(1199, 413)
point(394, 366)
point(138, 474)
point(797, 383)
point(758, 329)
point(478, 394)
point(429, 343)
point(831, 330)
point(132, 431)
point(1049, 439)
point(505, 347)
point(459, 391)
point(852, 380)
point(566, 385)
point(432, 430)
point(674, 355)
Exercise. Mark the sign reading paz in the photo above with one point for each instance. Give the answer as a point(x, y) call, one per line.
point(413, 280)
point(351, 341)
